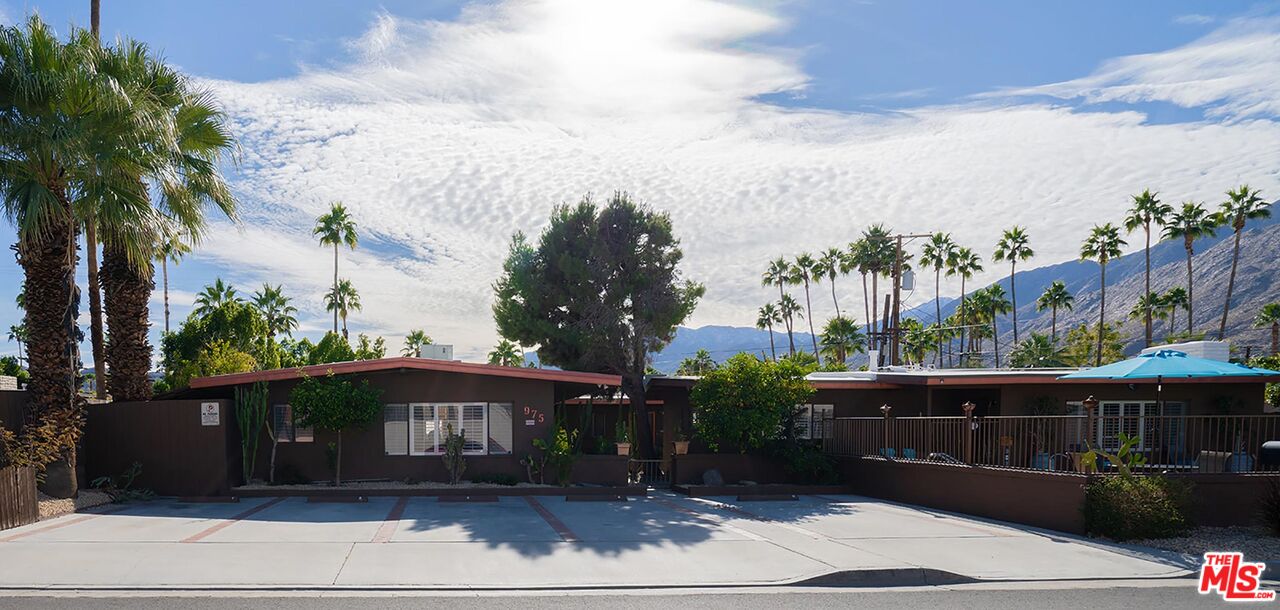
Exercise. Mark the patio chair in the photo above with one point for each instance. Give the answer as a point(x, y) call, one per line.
point(888, 452)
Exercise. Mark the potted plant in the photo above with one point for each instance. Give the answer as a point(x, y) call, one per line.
point(682, 442)
point(622, 437)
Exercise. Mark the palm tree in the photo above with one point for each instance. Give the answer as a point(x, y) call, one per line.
point(856, 258)
point(1037, 351)
point(1242, 205)
point(790, 310)
point(1269, 315)
point(276, 310)
point(917, 341)
point(414, 341)
point(698, 365)
point(802, 273)
point(343, 300)
point(213, 296)
point(335, 229)
point(965, 264)
point(879, 255)
point(172, 248)
point(1014, 246)
point(1189, 224)
point(1103, 244)
point(62, 120)
point(1149, 306)
point(831, 262)
point(776, 274)
point(993, 303)
point(18, 334)
point(938, 253)
point(1055, 297)
point(841, 339)
point(1145, 211)
point(1174, 299)
point(505, 353)
point(768, 316)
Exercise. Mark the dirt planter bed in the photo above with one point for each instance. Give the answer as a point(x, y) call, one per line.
point(768, 489)
point(294, 491)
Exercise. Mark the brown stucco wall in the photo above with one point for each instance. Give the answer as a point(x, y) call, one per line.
point(179, 456)
point(733, 467)
point(363, 453)
point(1227, 499)
point(1200, 398)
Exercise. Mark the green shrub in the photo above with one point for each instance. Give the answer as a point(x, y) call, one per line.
point(805, 462)
point(1269, 505)
point(288, 473)
point(495, 479)
point(1135, 508)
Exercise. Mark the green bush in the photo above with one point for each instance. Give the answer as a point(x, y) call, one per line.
point(1136, 508)
point(495, 479)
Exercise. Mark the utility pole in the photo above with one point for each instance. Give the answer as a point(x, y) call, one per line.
point(895, 329)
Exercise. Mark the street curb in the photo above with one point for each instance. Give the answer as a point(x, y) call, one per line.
point(887, 577)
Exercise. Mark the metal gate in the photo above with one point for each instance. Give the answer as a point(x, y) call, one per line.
point(651, 473)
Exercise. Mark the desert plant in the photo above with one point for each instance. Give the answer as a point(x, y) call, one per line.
point(251, 416)
point(1134, 508)
point(535, 466)
point(454, 463)
point(120, 488)
point(559, 452)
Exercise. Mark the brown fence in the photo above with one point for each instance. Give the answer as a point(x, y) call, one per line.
point(181, 452)
point(18, 505)
point(1166, 443)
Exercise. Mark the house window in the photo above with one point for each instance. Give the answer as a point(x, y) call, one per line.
point(395, 429)
point(814, 421)
point(485, 428)
point(1140, 419)
point(286, 430)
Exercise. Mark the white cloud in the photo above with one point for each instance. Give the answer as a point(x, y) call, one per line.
point(443, 138)
point(1194, 19)
point(1234, 72)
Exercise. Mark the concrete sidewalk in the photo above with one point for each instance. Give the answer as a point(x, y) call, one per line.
point(660, 541)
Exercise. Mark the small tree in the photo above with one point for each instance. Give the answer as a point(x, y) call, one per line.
point(335, 404)
point(746, 402)
point(251, 415)
point(453, 460)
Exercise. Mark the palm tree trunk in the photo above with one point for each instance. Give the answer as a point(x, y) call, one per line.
point(772, 351)
point(1173, 318)
point(937, 308)
point(1275, 339)
point(1231, 283)
point(875, 307)
point(1191, 298)
point(164, 271)
point(1013, 294)
point(128, 290)
point(1053, 323)
point(1147, 253)
point(866, 306)
point(95, 308)
point(344, 327)
point(335, 288)
point(808, 305)
point(1102, 313)
point(834, 300)
point(791, 341)
point(963, 349)
point(995, 339)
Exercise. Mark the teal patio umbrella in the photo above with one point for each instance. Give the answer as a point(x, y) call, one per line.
point(1169, 364)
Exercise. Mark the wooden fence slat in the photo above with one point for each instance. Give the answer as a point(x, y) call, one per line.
point(18, 504)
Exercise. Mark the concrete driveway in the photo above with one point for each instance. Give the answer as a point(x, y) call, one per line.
point(545, 542)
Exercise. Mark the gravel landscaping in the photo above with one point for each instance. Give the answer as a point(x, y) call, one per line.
point(54, 507)
point(1256, 543)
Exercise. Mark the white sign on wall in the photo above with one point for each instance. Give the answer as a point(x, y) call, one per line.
point(209, 415)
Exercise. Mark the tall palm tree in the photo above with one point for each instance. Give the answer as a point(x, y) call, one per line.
point(831, 262)
point(506, 353)
point(790, 310)
point(18, 334)
point(60, 120)
point(768, 316)
point(1189, 224)
point(1037, 351)
point(414, 341)
point(802, 273)
point(1014, 246)
point(1174, 299)
point(938, 253)
point(856, 257)
point(917, 340)
point(776, 274)
point(96, 341)
point(992, 303)
point(343, 300)
point(213, 296)
point(841, 339)
point(1102, 245)
point(965, 264)
point(1145, 211)
point(336, 228)
point(1242, 205)
point(172, 248)
point(879, 255)
point(1151, 305)
point(1055, 297)
point(276, 310)
point(1269, 315)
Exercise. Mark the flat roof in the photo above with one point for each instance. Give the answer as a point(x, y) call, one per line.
point(406, 364)
point(897, 377)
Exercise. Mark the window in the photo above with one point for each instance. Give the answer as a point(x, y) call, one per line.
point(1141, 419)
point(813, 421)
point(286, 430)
point(395, 429)
point(500, 428)
point(803, 416)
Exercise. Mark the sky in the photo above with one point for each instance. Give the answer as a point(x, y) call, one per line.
point(764, 128)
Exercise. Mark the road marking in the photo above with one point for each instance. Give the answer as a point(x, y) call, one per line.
point(229, 522)
point(705, 519)
point(556, 524)
point(388, 528)
point(63, 523)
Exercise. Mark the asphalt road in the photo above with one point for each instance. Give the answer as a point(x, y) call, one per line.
point(1165, 597)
